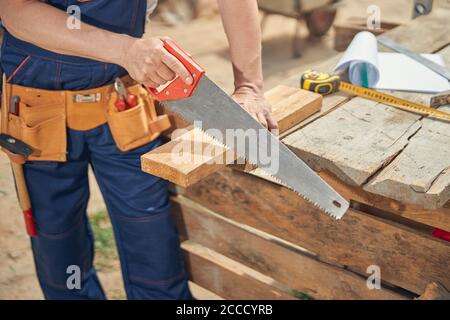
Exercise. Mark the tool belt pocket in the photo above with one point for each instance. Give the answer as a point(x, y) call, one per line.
point(42, 127)
point(132, 128)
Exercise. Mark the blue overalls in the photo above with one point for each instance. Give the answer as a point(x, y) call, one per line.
point(138, 204)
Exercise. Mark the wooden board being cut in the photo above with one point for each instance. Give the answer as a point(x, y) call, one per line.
point(194, 155)
point(187, 158)
point(291, 105)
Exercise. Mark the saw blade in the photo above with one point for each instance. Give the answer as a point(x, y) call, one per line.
point(224, 119)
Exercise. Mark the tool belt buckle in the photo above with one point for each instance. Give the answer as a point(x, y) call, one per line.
point(87, 98)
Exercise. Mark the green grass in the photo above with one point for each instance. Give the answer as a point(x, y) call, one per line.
point(105, 245)
point(300, 295)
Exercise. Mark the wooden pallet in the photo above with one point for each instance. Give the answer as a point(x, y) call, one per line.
point(391, 165)
point(278, 259)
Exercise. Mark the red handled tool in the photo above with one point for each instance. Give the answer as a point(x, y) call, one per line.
point(124, 100)
point(178, 89)
point(18, 152)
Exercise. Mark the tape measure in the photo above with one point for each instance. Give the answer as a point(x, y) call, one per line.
point(324, 84)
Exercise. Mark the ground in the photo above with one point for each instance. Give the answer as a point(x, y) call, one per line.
point(204, 39)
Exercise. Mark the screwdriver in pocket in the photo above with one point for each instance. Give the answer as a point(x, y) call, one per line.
point(124, 100)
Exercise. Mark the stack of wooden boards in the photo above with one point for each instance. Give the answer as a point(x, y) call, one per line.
point(250, 238)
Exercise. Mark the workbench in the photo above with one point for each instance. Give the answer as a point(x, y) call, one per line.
point(247, 237)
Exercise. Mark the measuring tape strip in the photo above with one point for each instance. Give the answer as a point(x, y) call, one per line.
point(324, 84)
point(392, 100)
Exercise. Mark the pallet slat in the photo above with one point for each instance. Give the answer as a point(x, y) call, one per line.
point(420, 174)
point(439, 218)
point(227, 278)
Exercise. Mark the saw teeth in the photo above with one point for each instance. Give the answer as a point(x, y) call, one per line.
point(298, 193)
point(301, 195)
point(269, 175)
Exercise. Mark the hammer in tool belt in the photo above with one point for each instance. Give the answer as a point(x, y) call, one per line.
point(18, 153)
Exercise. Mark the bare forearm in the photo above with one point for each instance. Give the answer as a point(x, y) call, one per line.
point(46, 27)
point(241, 22)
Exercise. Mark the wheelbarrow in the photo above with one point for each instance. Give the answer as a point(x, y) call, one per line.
point(319, 16)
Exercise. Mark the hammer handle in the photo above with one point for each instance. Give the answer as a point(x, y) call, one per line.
point(24, 198)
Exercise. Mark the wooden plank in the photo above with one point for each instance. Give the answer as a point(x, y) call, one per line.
point(194, 155)
point(421, 173)
point(397, 211)
point(408, 258)
point(330, 103)
point(200, 293)
point(355, 140)
point(271, 256)
point(227, 278)
point(439, 218)
point(187, 159)
point(291, 105)
point(426, 33)
point(435, 291)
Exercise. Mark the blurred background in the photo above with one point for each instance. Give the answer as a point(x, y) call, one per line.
point(296, 36)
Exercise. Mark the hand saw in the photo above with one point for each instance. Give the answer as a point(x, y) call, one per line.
point(204, 101)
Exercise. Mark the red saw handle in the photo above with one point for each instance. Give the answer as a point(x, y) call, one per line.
point(177, 89)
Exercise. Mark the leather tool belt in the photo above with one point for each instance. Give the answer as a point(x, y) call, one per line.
point(40, 118)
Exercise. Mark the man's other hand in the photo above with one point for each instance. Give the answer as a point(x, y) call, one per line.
point(257, 105)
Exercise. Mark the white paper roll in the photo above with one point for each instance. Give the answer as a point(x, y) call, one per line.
point(361, 60)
